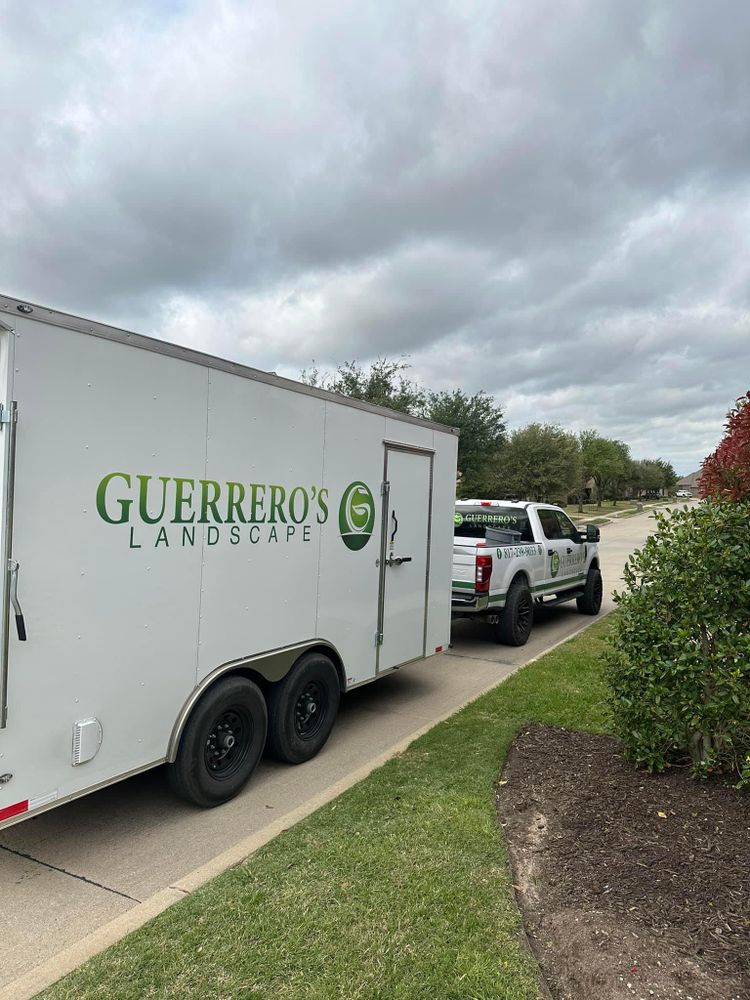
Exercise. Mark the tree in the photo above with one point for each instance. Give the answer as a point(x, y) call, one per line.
point(482, 433)
point(621, 469)
point(648, 475)
point(669, 480)
point(383, 384)
point(602, 460)
point(653, 475)
point(540, 462)
point(586, 445)
point(478, 418)
point(726, 471)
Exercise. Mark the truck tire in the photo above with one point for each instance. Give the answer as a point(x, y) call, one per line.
point(517, 617)
point(590, 601)
point(221, 744)
point(302, 709)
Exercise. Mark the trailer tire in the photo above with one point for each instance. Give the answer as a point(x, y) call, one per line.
point(221, 744)
point(302, 709)
point(590, 601)
point(517, 617)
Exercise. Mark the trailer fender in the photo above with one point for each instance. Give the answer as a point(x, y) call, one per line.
point(263, 668)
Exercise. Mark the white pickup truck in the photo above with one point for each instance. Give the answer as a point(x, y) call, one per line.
point(510, 555)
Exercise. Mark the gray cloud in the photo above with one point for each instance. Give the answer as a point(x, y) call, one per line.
point(551, 203)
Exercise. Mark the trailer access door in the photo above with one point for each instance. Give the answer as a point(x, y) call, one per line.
point(405, 555)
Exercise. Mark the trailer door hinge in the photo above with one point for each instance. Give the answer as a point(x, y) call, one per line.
point(378, 638)
point(6, 414)
point(385, 488)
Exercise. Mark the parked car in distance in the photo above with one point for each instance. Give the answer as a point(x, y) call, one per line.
point(684, 493)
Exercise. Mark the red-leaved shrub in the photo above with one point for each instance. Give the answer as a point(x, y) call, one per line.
point(726, 471)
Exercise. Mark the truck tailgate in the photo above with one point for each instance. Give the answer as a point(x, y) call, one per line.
point(464, 566)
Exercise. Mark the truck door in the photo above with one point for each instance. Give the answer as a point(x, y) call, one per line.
point(8, 570)
point(564, 554)
point(404, 555)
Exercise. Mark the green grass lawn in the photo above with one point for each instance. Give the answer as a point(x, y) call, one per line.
point(594, 514)
point(397, 890)
point(597, 515)
point(606, 506)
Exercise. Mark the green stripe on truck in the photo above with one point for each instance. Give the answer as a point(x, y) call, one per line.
point(497, 595)
point(555, 585)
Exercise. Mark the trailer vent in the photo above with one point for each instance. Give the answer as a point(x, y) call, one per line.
point(87, 738)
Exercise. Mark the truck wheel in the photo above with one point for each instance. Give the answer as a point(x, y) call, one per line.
point(302, 709)
point(221, 743)
point(590, 600)
point(517, 617)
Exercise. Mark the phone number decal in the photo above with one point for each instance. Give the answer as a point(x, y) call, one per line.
point(514, 551)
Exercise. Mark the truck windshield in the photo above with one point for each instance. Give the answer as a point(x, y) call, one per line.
point(473, 522)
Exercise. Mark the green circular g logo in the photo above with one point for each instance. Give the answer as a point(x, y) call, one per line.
point(458, 518)
point(356, 516)
point(554, 564)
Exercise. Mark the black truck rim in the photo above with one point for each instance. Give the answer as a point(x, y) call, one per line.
point(523, 616)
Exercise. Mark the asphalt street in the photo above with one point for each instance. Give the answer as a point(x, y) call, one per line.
point(70, 871)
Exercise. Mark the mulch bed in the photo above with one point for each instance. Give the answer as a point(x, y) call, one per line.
point(630, 885)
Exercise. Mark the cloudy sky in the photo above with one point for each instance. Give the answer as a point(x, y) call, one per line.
point(547, 200)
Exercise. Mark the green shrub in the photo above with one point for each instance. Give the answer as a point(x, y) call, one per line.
point(679, 664)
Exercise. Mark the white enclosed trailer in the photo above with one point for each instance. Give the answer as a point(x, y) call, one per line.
point(200, 558)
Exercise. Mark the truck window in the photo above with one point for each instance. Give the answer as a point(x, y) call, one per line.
point(550, 523)
point(472, 522)
point(567, 527)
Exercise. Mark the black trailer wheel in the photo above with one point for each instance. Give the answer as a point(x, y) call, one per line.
point(590, 601)
point(302, 709)
point(221, 743)
point(517, 617)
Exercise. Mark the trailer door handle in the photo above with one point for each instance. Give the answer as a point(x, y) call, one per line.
point(397, 560)
point(20, 623)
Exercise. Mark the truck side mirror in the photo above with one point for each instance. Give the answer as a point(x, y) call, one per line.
point(592, 533)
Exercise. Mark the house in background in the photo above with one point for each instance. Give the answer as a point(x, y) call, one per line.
point(689, 483)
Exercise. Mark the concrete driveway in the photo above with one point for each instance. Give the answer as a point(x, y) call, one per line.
point(85, 866)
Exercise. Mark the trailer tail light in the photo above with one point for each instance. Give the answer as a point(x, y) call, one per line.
point(484, 572)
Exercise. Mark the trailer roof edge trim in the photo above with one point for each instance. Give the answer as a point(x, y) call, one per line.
point(67, 321)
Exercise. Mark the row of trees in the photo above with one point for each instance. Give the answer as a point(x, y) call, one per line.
point(546, 462)
point(540, 461)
